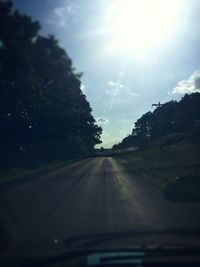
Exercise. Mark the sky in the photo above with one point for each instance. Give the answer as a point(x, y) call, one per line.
point(132, 53)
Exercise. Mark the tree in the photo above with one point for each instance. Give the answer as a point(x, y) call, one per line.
point(44, 114)
point(173, 119)
point(143, 127)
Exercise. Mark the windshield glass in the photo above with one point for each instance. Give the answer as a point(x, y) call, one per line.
point(99, 125)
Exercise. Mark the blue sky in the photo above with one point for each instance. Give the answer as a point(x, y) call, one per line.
point(132, 55)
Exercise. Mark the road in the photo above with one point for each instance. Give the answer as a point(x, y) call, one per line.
point(88, 197)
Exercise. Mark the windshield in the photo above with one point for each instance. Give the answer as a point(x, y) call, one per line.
point(99, 125)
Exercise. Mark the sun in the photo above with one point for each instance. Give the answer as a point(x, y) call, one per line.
point(140, 24)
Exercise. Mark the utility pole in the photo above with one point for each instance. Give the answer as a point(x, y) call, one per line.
point(158, 106)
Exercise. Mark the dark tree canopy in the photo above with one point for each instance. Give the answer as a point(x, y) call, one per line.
point(43, 112)
point(172, 118)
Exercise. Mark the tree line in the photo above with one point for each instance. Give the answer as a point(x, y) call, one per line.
point(43, 113)
point(168, 123)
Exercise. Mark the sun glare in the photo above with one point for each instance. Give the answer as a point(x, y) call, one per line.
point(140, 24)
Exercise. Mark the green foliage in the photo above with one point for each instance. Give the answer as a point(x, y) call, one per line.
point(177, 120)
point(172, 139)
point(163, 167)
point(43, 113)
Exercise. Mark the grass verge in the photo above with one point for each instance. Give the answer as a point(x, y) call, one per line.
point(13, 173)
point(175, 169)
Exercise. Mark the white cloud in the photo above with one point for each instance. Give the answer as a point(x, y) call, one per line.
point(115, 89)
point(60, 14)
point(116, 84)
point(134, 94)
point(59, 11)
point(102, 120)
point(82, 87)
point(189, 86)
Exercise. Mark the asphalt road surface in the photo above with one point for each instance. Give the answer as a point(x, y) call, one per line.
point(92, 196)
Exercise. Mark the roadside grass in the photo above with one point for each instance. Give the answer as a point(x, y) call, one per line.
point(14, 173)
point(174, 168)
